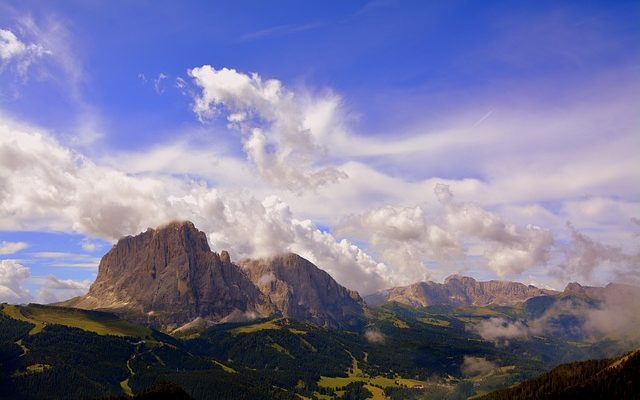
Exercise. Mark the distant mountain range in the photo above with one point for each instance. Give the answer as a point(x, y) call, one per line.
point(170, 279)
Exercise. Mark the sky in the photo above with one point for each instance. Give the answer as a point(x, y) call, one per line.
point(389, 142)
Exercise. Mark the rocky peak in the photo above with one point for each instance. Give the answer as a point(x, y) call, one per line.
point(303, 291)
point(171, 276)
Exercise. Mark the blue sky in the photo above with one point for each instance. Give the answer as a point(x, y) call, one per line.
point(526, 111)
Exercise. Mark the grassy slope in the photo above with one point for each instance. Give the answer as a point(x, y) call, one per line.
point(92, 321)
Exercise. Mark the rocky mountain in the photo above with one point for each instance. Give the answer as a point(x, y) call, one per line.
point(303, 291)
point(169, 277)
point(458, 290)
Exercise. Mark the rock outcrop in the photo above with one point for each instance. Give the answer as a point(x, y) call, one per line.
point(169, 277)
point(458, 290)
point(302, 291)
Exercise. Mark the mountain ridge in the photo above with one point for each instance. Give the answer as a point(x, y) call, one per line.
point(458, 290)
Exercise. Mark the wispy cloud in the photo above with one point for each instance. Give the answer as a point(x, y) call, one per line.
point(12, 247)
point(157, 83)
point(67, 260)
point(15, 52)
point(281, 30)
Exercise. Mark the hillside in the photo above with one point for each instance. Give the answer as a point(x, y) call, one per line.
point(400, 353)
point(594, 379)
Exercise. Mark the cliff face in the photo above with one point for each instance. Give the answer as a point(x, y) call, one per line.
point(458, 290)
point(168, 277)
point(302, 291)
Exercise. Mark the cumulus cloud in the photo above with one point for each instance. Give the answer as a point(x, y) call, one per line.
point(406, 239)
point(511, 249)
point(374, 336)
point(12, 247)
point(473, 366)
point(403, 237)
point(279, 128)
point(12, 277)
point(44, 185)
point(14, 51)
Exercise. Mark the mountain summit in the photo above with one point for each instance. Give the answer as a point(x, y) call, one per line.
point(169, 277)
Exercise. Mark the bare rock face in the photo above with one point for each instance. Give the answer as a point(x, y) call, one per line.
point(458, 290)
point(300, 290)
point(171, 276)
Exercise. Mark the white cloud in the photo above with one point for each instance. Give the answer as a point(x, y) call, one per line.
point(64, 68)
point(374, 336)
point(495, 329)
point(12, 277)
point(272, 120)
point(22, 55)
point(406, 240)
point(53, 289)
point(88, 245)
point(584, 255)
point(67, 260)
point(617, 316)
point(403, 238)
point(53, 254)
point(12, 247)
point(473, 366)
point(157, 83)
point(510, 249)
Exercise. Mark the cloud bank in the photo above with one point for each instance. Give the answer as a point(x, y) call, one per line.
point(405, 237)
point(44, 185)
